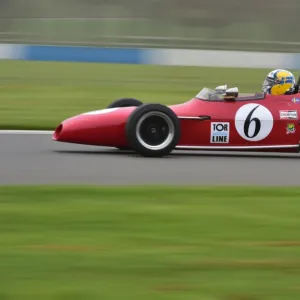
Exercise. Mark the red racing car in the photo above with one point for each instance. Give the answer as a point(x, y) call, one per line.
point(209, 121)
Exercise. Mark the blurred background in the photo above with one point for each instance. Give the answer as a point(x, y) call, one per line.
point(267, 25)
point(44, 96)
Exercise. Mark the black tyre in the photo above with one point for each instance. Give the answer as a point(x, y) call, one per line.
point(125, 102)
point(153, 130)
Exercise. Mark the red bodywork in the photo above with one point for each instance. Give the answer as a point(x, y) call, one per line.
point(107, 127)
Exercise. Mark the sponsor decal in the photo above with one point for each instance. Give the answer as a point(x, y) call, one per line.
point(219, 132)
point(253, 122)
point(288, 114)
point(296, 100)
point(290, 128)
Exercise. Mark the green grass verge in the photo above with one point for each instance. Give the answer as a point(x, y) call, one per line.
point(38, 95)
point(149, 243)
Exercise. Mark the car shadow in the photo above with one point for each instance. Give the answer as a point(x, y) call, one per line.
point(186, 154)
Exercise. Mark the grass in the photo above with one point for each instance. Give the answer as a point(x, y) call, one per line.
point(149, 243)
point(38, 95)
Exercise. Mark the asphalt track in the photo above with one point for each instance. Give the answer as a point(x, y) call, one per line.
point(35, 159)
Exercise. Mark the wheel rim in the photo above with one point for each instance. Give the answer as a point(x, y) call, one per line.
point(155, 130)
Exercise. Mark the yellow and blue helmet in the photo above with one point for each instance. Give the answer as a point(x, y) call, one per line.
point(278, 82)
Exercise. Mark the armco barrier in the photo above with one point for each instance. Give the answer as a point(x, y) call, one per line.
point(217, 58)
point(15, 52)
point(168, 57)
point(84, 54)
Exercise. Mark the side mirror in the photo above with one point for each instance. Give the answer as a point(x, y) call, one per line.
point(231, 94)
point(221, 89)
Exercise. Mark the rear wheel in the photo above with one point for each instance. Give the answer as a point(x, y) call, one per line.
point(153, 130)
point(125, 102)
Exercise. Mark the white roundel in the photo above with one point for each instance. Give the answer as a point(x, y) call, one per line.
point(253, 122)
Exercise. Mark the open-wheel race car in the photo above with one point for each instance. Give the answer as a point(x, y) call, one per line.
point(215, 119)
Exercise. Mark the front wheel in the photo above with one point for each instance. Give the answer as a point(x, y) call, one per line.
point(125, 102)
point(153, 130)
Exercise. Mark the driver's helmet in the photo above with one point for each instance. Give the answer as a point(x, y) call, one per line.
point(278, 82)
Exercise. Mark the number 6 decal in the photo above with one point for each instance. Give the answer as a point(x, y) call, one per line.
point(253, 122)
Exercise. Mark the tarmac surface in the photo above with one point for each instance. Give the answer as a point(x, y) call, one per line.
point(33, 158)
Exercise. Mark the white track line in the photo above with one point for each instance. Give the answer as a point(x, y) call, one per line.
point(26, 132)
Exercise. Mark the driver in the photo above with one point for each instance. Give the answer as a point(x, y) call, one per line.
point(279, 82)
